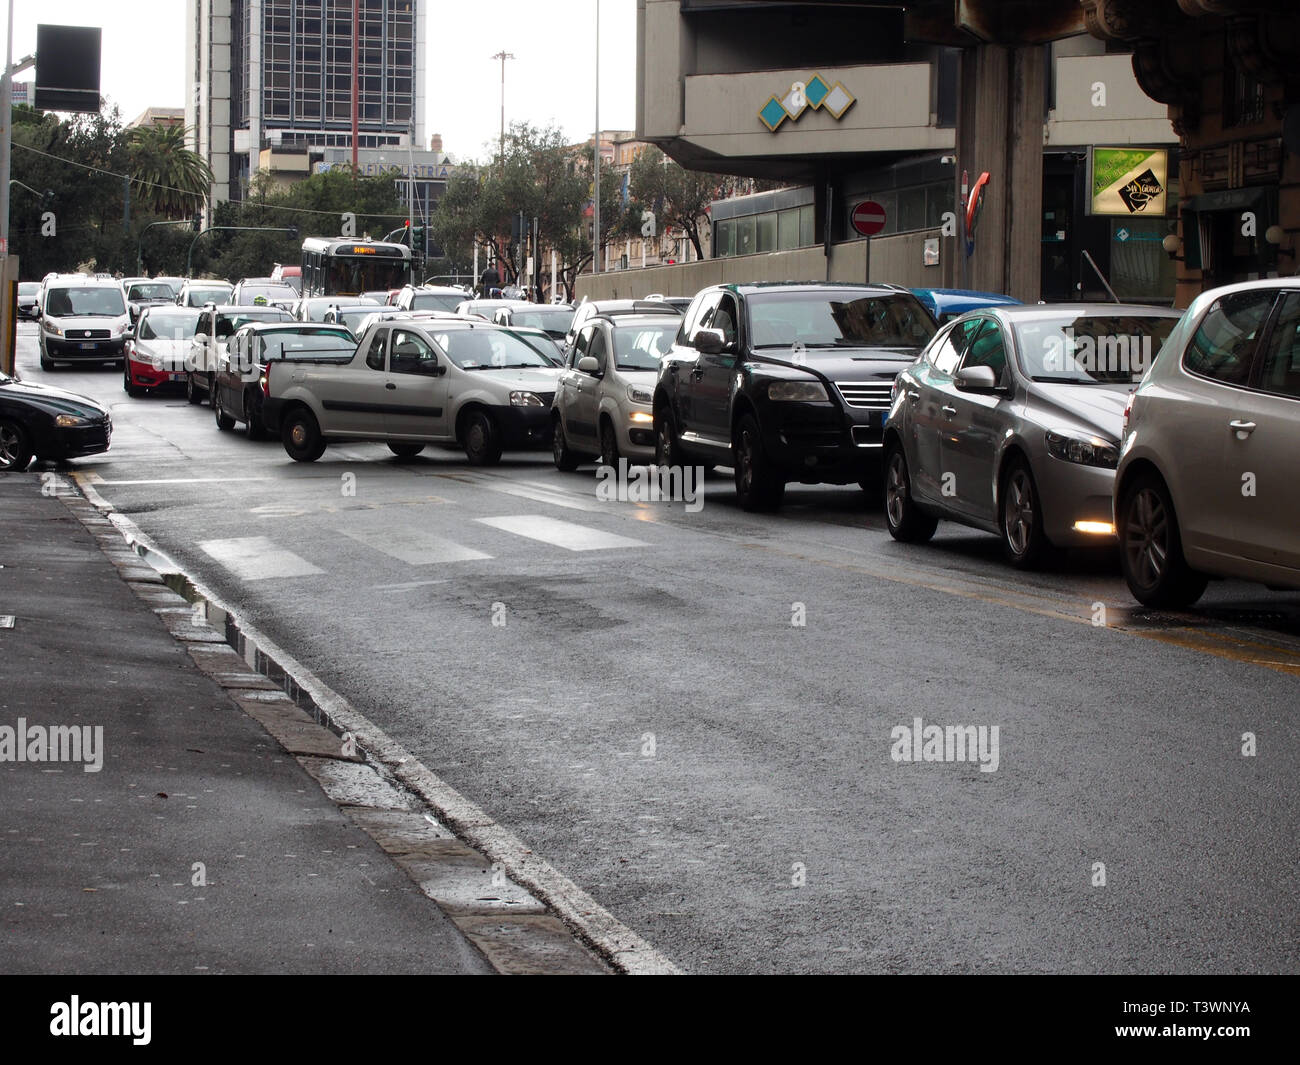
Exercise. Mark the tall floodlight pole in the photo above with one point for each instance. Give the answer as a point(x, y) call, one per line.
point(595, 204)
point(503, 56)
point(356, 89)
point(6, 127)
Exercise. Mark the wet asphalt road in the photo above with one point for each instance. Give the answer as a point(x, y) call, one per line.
point(645, 715)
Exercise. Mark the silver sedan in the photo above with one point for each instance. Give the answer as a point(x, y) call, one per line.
point(1010, 422)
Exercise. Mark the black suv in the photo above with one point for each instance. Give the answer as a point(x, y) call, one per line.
point(786, 382)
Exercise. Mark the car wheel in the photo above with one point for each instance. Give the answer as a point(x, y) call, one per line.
point(758, 485)
point(192, 393)
point(301, 436)
point(15, 448)
point(668, 451)
point(1151, 548)
point(565, 459)
point(1023, 541)
point(406, 451)
point(130, 388)
point(224, 421)
point(608, 444)
point(482, 442)
point(907, 522)
point(253, 411)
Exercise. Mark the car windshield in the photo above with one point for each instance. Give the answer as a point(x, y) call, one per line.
point(488, 349)
point(228, 323)
point(150, 291)
point(555, 320)
point(1091, 349)
point(316, 311)
point(102, 302)
point(277, 344)
point(434, 301)
point(838, 319)
point(197, 297)
point(640, 347)
point(168, 326)
point(272, 292)
point(352, 317)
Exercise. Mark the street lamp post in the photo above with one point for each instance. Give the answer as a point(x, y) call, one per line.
point(503, 56)
point(595, 206)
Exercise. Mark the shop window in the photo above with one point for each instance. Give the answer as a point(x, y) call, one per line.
point(766, 232)
point(807, 225)
point(745, 236)
point(725, 241)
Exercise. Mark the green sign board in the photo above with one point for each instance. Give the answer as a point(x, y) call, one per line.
point(1128, 181)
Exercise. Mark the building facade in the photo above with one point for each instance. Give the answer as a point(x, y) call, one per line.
point(278, 74)
point(1063, 103)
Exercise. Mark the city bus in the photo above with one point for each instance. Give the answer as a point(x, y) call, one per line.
point(337, 266)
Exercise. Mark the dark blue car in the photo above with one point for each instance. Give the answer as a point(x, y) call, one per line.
point(947, 303)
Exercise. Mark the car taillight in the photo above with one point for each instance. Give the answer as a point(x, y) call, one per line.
point(264, 380)
point(1128, 409)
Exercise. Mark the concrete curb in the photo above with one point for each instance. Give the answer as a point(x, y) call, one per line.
point(502, 916)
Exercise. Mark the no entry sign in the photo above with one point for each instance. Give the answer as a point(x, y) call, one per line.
point(868, 218)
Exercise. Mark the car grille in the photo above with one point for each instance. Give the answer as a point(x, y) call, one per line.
point(87, 334)
point(865, 395)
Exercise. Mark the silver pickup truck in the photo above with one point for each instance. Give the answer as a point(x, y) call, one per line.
point(239, 385)
point(414, 382)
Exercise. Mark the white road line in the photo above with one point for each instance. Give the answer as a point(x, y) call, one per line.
point(548, 495)
point(412, 546)
point(188, 480)
point(408, 586)
point(255, 558)
point(560, 533)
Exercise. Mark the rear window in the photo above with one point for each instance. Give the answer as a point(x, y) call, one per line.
point(72, 302)
point(433, 301)
point(150, 291)
point(168, 326)
point(277, 345)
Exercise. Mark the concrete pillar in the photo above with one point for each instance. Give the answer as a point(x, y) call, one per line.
point(1000, 129)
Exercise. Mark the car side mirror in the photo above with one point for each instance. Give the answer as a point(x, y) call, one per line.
point(709, 341)
point(200, 338)
point(134, 311)
point(976, 379)
point(432, 368)
point(588, 364)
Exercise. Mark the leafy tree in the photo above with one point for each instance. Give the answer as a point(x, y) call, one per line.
point(166, 176)
point(679, 197)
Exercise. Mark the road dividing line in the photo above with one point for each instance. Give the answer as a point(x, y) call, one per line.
point(563, 534)
point(255, 558)
point(415, 547)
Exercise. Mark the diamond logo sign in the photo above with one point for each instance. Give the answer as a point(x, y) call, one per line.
point(816, 93)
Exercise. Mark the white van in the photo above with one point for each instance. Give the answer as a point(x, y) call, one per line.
point(83, 319)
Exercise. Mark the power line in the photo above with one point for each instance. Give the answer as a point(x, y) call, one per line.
point(183, 192)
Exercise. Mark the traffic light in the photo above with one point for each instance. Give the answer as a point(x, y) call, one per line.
point(47, 200)
point(196, 223)
point(293, 232)
point(417, 235)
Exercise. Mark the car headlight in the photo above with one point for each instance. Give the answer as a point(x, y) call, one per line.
point(639, 395)
point(797, 391)
point(70, 421)
point(54, 329)
point(1090, 452)
point(525, 399)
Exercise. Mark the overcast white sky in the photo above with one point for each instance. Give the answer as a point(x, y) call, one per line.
point(551, 80)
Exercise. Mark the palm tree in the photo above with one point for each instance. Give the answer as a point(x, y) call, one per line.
point(165, 175)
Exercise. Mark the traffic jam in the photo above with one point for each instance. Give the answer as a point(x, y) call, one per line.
point(1160, 436)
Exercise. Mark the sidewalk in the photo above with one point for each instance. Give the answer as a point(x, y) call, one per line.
point(100, 871)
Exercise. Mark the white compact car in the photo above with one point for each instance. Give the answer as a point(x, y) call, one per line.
point(83, 319)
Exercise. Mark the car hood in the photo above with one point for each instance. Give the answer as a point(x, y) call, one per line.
point(55, 400)
point(1099, 408)
point(861, 364)
point(540, 379)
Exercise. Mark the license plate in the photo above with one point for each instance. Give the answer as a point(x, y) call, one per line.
point(176, 377)
point(85, 346)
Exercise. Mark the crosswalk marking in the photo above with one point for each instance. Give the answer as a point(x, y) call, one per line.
point(553, 496)
point(255, 558)
point(560, 533)
point(416, 547)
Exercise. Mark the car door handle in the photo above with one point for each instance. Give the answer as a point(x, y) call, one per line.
point(1242, 427)
point(950, 411)
point(391, 385)
point(698, 372)
point(913, 394)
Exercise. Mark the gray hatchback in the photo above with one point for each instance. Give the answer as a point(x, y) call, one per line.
point(1207, 474)
point(1010, 422)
